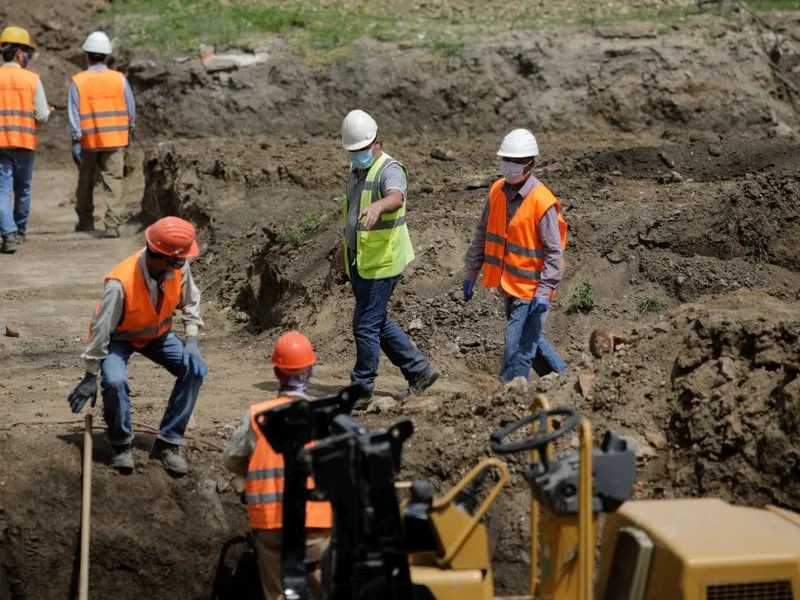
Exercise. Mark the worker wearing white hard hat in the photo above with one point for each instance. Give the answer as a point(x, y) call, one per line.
point(102, 111)
point(519, 244)
point(23, 107)
point(376, 250)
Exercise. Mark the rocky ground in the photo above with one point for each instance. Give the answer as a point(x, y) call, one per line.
point(674, 151)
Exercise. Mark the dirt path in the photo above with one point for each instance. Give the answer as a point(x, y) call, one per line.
point(48, 291)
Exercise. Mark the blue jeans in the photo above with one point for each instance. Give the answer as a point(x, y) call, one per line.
point(524, 340)
point(375, 331)
point(166, 351)
point(16, 172)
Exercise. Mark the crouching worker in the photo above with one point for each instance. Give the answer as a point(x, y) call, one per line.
point(135, 315)
point(250, 455)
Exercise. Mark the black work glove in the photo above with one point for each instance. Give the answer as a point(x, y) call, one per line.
point(85, 390)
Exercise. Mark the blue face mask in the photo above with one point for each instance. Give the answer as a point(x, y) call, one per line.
point(362, 159)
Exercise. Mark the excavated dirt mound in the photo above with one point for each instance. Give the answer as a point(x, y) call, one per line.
point(151, 535)
point(709, 73)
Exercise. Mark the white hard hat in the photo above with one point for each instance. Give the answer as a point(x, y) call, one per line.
point(520, 143)
point(358, 130)
point(97, 43)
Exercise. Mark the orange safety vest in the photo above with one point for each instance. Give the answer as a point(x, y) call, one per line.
point(103, 110)
point(140, 323)
point(18, 128)
point(264, 487)
point(513, 259)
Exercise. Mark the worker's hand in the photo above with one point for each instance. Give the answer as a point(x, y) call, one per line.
point(85, 390)
point(76, 153)
point(538, 306)
point(370, 215)
point(192, 358)
point(469, 289)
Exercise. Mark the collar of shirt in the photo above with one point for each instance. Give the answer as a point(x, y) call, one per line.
point(293, 394)
point(523, 192)
point(97, 68)
point(12, 64)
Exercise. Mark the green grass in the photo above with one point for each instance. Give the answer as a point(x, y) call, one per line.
point(293, 237)
point(326, 29)
point(582, 301)
point(650, 304)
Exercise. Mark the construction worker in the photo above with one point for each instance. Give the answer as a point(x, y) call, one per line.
point(102, 112)
point(377, 248)
point(519, 244)
point(135, 315)
point(250, 455)
point(23, 106)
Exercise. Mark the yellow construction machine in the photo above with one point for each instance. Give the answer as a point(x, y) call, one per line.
point(436, 548)
point(687, 549)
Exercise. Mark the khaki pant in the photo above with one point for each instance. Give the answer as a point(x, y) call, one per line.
point(268, 549)
point(100, 169)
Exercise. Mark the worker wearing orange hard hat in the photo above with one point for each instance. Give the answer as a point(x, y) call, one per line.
point(140, 295)
point(250, 455)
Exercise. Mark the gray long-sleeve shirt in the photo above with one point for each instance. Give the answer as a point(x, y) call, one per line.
point(73, 107)
point(392, 178)
point(242, 444)
point(41, 108)
point(552, 270)
point(106, 318)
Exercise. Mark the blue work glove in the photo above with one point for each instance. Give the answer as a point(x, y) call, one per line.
point(538, 306)
point(84, 391)
point(76, 153)
point(469, 289)
point(192, 358)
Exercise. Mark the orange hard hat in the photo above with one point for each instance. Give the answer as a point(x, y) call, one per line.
point(293, 352)
point(173, 237)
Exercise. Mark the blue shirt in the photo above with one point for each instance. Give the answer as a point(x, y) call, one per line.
point(73, 107)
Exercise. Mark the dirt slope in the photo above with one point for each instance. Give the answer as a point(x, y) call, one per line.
point(674, 155)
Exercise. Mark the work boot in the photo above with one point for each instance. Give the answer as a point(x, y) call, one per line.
point(20, 237)
point(84, 226)
point(9, 244)
point(420, 385)
point(111, 232)
point(122, 457)
point(363, 403)
point(170, 457)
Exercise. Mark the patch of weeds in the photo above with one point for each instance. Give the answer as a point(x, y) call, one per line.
point(309, 222)
point(650, 304)
point(186, 24)
point(770, 5)
point(582, 301)
point(290, 238)
point(447, 47)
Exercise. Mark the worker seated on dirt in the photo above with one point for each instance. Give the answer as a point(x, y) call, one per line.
point(519, 243)
point(135, 315)
point(250, 455)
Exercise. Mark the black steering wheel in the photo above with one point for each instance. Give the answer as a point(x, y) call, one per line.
point(540, 440)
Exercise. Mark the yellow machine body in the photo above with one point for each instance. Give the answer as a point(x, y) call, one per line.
point(461, 568)
point(699, 549)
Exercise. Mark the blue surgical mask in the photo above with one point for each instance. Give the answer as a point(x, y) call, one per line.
point(512, 172)
point(362, 159)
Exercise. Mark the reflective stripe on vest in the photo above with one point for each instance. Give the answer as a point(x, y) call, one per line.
point(103, 110)
point(385, 250)
point(18, 128)
point(140, 324)
point(513, 253)
point(264, 486)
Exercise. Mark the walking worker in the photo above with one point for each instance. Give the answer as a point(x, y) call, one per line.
point(250, 455)
point(102, 112)
point(23, 106)
point(519, 242)
point(135, 315)
point(377, 249)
